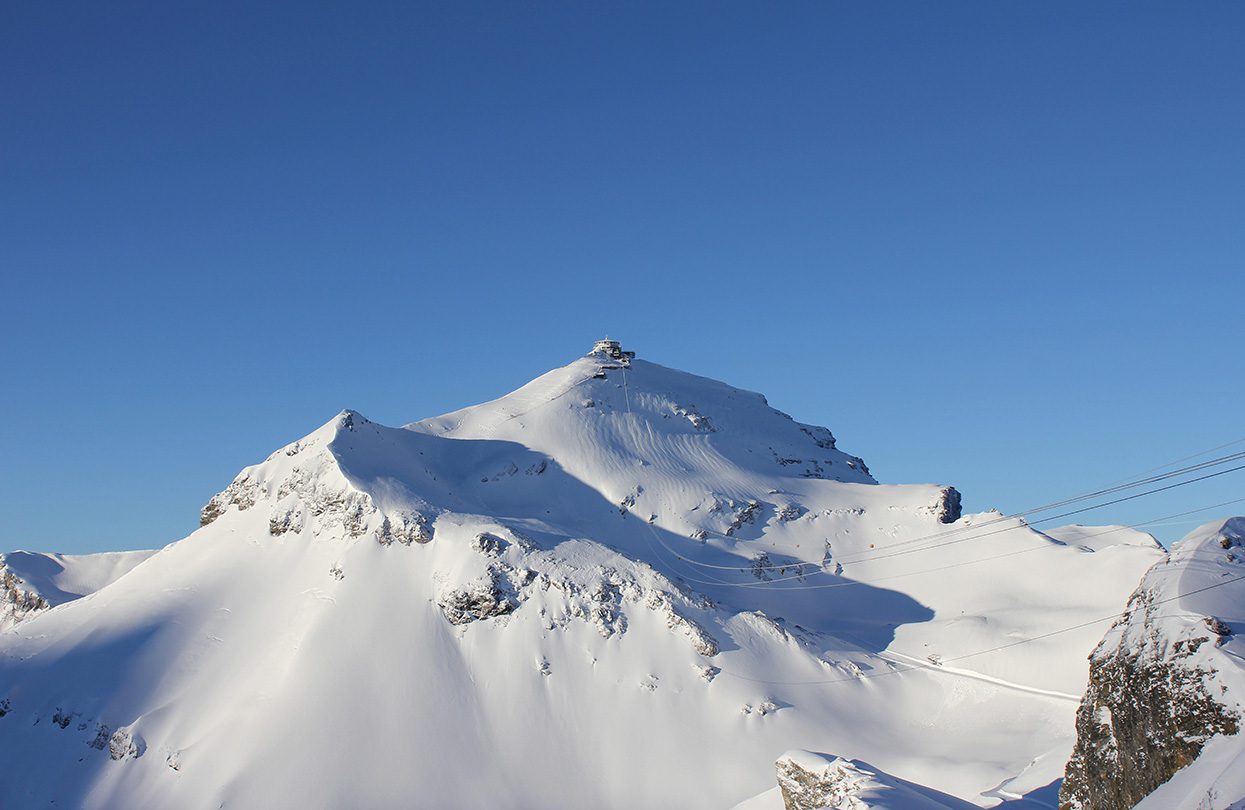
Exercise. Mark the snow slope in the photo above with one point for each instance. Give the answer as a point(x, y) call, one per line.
point(1096, 538)
point(36, 580)
point(608, 572)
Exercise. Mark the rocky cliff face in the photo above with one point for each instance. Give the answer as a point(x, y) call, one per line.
point(1146, 714)
point(1163, 681)
point(16, 600)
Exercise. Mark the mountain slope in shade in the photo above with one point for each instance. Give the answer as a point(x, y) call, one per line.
point(34, 581)
point(812, 781)
point(610, 572)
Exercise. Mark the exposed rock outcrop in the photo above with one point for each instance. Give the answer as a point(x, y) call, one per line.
point(309, 493)
point(241, 492)
point(484, 600)
point(948, 509)
point(16, 601)
point(405, 528)
point(124, 745)
point(810, 781)
point(1146, 714)
point(1160, 683)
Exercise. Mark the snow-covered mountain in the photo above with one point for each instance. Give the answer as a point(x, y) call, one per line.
point(1161, 716)
point(618, 586)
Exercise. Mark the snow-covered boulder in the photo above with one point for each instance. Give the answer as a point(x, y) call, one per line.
point(812, 781)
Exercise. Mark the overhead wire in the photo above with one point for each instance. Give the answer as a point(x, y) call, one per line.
point(976, 527)
point(764, 584)
point(1079, 498)
point(871, 581)
point(1183, 458)
point(892, 549)
point(1107, 490)
point(866, 557)
point(898, 667)
point(1060, 516)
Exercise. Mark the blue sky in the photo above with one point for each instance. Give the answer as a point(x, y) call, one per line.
point(994, 244)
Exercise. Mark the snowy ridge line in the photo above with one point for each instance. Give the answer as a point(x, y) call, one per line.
point(509, 417)
point(1009, 645)
point(1021, 514)
point(1143, 482)
point(1006, 529)
point(773, 582)
point(819, 566)
point(860, 558)
point(1060, 516)
point(570, 388)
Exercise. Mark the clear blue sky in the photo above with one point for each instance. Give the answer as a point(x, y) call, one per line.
point(991, 244)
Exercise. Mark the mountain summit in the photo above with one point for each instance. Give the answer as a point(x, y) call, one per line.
point(621, 585)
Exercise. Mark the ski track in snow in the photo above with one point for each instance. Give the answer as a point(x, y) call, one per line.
point(900, 658)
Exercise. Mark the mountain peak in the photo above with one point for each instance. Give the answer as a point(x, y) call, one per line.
point(612, 350)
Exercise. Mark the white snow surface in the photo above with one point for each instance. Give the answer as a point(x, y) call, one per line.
point(1093, 538)
point(1213, 781)
point(645, 570)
